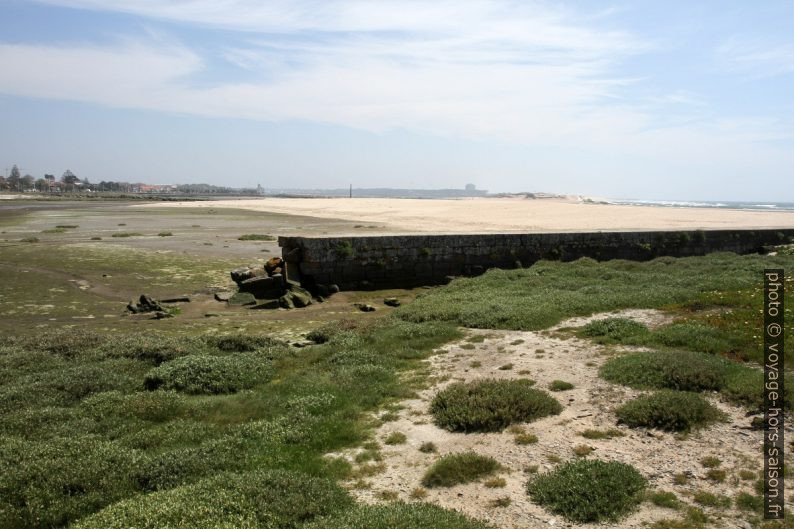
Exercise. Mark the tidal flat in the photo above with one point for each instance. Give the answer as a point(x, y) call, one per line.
point(110, 420)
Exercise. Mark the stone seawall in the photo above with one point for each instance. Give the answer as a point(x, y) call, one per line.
point(396, 261)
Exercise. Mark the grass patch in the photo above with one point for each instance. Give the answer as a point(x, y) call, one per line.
point(614, 330)
point(560, 385)
point(165, 234)
point(495, 483)
point(689, 371)
point(525, 439)
point(123, 234)
point(428, 448)
point(29, 239)
point(710, 462)
point(589, 490)
point(707, 499)
point(456, 469)
point(67, 226)
point(543, 295)
point(210, 375)
point(395, 438)
point(669, 410)
point(601, 434)
point(399, 516)
point(256, 237)
point(749, 502)
point(582, 450)
point(665, 499)
point(490, 405)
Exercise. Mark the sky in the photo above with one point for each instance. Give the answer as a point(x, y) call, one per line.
point(676, 100)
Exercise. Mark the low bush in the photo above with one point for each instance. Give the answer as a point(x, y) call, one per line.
point(256, 237)
point(52, 483)
point(490, 405)
point(242, 343)
point(589, 490)
point(208, 375)
point(560, 385)
point(152, 347)
point(268, 499)
point(614, 330)
point(165, 234)
point(683, 371)
point(398, 516)
point(669, 410)
point(454, 469)
point(748, 502)
point(664, 499)
point(123, 234)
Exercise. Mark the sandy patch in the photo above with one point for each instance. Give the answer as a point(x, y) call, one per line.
point(484, 215)
point(590, 405)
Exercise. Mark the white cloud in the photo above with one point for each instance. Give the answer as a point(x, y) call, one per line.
point(519, 72)
point(756, 57)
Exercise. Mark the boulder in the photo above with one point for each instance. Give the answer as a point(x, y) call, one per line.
point(391, 302)
point(241, 274)
point(242, 298)
point(296, 297)
point(327, 290)
point(263, 287)
point(223, 296)
point(273, 263)
point(144, 304)
point(364, 307)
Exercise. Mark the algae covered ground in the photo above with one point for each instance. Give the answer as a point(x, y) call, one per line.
point(108, 421)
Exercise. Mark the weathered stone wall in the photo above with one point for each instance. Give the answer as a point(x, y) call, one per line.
point(412, 260)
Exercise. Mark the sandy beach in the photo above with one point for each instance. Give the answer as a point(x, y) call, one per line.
point(493, 215)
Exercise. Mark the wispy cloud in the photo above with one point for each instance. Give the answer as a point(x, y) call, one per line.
point(756, 57)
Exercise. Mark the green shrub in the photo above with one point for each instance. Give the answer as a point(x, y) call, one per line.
point(68, 343)
point(708, 499)
point(242, 343)
point(684, 371)
point(669, 410)
point(256, 237)
point(560, 385)
point(428, 447)
point(165, 234)
point(614, 330)
point(268, 499)
point(664, 499)
point(205, 374)
point(398, 516)
point(455, 469)
point(395, 438)
point(490, 405)
point(748, 502)
point(126, 234)
point(52, 483)
point(152, 347)
point(589, 490)
point(29, 239)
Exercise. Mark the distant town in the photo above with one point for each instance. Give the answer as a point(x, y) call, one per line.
point(70, 183)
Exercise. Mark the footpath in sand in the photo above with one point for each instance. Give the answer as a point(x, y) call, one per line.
point(495, 215)
point(545, 356)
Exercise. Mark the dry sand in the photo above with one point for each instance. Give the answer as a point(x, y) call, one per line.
point(544, 357)
point(492, 215)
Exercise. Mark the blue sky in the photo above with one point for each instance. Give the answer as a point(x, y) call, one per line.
point(643, 99)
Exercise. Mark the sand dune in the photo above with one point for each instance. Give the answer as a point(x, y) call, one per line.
point(490, 215)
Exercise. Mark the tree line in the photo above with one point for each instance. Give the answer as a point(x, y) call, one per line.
point(70, 182)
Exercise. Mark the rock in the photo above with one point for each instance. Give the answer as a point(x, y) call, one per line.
point(286, 302)
point(267, 305)
point(320, 299)
point(262, 287)
point(296, 297)
point(333, 289)
point(223, 296)
point(179, 299)
point(144, 304)
point(242, 298)
point(211, 315)
point(241, 274)
point(293, 256)
point(273, 263)
point(301, 296)
point(391, 302)
point(364, 307)
point(160, 315)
